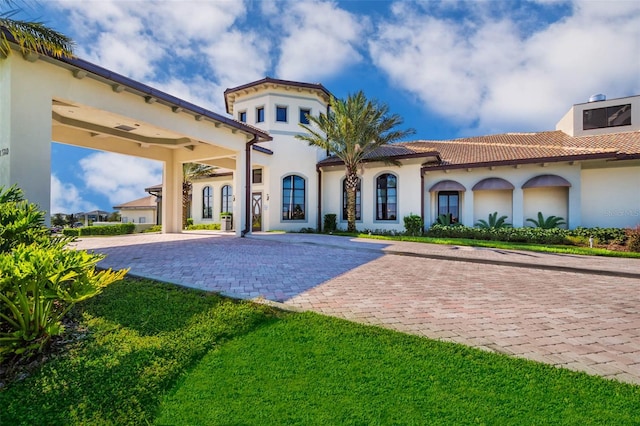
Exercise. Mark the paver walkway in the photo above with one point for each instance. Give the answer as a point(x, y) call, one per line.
point(581, 313)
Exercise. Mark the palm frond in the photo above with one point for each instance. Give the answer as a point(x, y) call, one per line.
point(33, 37)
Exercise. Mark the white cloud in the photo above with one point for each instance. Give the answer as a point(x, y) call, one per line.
point(484, 74)
point(321, 40)
point(120, 178)
point(66, 198)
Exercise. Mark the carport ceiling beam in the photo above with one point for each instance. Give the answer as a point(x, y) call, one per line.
point(96, 128)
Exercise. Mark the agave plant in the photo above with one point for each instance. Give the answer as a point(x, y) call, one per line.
point(494, 222)
point(548, 223)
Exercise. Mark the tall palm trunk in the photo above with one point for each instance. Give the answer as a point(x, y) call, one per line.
point(351, 186)
point(186, 200)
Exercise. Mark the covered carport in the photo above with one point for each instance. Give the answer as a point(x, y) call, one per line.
point(71, 101)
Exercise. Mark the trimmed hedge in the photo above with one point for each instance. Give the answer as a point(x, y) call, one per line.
point(118, 229)
point(204, 226)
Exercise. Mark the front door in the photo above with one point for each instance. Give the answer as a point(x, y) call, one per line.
point(256, 211)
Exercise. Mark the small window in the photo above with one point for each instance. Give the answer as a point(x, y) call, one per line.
point(207, 211)
point(257, 176)
point(612, 116)
point(293, 198)
point(304, 112)
point(281, 114)
point(260, 115)
point(142, 219)
point(386, 197)
point(242, 116)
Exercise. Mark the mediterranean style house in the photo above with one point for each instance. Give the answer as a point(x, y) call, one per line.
point(586, 171)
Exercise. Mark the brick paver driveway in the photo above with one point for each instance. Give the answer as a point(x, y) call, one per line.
point(570, 311)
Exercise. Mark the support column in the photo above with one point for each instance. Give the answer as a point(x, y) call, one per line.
point(517, 208)
point(172, 196)
point(242, 186)
point(574, 218)
point(467, 216)
point(25, 132)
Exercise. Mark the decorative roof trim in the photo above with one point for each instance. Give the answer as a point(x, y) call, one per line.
point(493, 184)
point(546, 181)
point(447, 185)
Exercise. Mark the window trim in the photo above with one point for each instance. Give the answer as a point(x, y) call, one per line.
point(301, 116)
point(253, 176)
point(207, 202)
point(258, 110)
point(282, 204)
point(286, 113)
point(228, 199)
point(375, 200)
point(240, 116)
point(448, 194)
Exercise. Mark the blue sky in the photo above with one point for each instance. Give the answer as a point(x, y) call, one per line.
point(449, 68)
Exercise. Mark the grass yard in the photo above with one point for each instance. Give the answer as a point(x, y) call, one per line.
point(159, 354)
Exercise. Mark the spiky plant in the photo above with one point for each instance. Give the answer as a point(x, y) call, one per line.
point(494, 222)
point(548, 223)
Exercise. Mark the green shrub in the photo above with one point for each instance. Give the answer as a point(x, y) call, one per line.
point(494, 222)
point(330, 222)
point(154, 228)
point(40, 279)
point(413, 225)
point(204, 226)
point(189, 222)
point(71, 232)
point(601, 235)
point(520, 235)
point(548, 223)
point(119, 229)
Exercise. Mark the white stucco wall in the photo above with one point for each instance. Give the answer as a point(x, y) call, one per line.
point(549, 201)
point(408, 193)
point(524, 202)
point(216, 184)
point(138, 216)
point(611, 196)
point(488, 202)
point(291, 156)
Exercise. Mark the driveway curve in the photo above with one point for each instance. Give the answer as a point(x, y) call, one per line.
point(581, 313)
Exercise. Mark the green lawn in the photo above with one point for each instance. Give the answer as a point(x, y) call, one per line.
point(156, 353)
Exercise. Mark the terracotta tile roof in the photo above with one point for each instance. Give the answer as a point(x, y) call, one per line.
point(395, 151)
point(513, 148)
point(141, 203)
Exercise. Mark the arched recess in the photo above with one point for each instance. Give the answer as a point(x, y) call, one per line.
point(548, 194)
point(491, 195)
point(447, 199)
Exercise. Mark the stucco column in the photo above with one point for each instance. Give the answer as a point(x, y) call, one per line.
point(518, 207)
point(467, 213)
point(241, 187)
point(574, 218)
point(172, 196)
point(25, 133)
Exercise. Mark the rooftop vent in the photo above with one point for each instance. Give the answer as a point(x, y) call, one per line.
point(597, 98)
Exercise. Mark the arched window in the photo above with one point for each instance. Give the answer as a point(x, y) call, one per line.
point(207, 211)
point(358, 200)
point(387, 197)
point(293, 198)
point(226, 199)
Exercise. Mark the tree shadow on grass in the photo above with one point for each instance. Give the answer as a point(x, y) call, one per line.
point(142, 336)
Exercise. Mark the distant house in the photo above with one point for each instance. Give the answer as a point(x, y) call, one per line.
point(142, 210)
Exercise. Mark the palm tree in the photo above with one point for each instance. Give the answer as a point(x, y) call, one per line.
point(191, 172)
point(30, 36)
point(352, 130)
